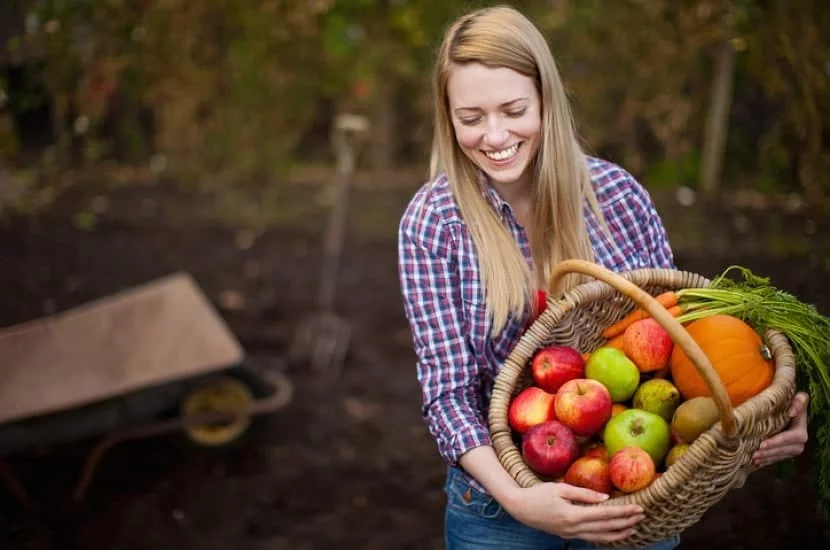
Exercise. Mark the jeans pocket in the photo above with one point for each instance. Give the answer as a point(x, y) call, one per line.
point(463, 497)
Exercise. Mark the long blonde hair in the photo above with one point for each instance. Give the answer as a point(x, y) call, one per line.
point(503, 37)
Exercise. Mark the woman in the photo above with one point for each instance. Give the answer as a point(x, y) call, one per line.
point(512, 195)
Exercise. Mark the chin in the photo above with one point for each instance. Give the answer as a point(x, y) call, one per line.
point(508, 175)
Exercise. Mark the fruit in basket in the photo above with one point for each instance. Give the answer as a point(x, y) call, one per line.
point(736, 352)
point(675, 453)
point(596, 449)
point(617, 409)
point(552, 366)
point(638, 428)
point(590, 472)
point(647, 344)
point(549, 448)
point(659, 396)
point(693, 417)
point(530, 407)
point(583, 405)
point(631, 469)
point(615, 371)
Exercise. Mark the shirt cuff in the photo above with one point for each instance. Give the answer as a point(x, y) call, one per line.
point(466, 439)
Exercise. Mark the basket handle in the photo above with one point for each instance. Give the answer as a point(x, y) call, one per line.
point(678, 333)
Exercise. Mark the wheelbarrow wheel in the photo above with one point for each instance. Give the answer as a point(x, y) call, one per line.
point(219, 394)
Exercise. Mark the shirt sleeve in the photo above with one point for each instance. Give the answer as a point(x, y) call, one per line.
point(653, 232)
point(446, 367)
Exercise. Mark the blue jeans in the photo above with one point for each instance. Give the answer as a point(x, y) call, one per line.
point(474, 520)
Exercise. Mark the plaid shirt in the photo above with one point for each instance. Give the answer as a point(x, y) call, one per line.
point(443, 297)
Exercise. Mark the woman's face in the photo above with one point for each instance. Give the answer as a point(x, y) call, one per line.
point(496, 114)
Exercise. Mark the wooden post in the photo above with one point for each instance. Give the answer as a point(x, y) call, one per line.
point(717, 122)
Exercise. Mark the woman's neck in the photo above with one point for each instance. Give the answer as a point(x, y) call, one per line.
point(518, 194)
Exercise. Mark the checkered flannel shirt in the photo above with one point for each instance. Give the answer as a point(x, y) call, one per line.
point(443, 297)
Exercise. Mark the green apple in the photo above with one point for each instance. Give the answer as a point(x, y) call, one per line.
point(615, 371)
point(638, 428)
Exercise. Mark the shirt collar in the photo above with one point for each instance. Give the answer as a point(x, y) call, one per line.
point(501, 206)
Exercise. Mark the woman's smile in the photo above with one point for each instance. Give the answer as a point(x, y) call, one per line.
point(503, 156)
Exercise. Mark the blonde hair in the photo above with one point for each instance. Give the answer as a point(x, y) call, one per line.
point(503, 37)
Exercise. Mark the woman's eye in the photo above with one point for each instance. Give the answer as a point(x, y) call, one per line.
point(469, 121)
point(515, 113)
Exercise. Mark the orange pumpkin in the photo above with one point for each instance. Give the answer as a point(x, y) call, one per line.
point(736, 352)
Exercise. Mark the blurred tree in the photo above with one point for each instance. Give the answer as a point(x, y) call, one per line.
point(225, 90)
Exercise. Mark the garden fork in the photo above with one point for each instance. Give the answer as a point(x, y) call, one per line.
point(323, 338)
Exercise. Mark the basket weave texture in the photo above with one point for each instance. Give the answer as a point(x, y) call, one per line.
point(714, 463)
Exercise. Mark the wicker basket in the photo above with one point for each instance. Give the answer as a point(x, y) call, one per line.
point(717, 461)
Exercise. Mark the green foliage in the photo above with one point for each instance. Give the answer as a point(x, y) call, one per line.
point(229, 89)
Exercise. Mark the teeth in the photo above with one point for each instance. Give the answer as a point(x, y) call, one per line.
point(504, 154)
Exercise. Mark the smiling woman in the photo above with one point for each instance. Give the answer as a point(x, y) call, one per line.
point(511, 196)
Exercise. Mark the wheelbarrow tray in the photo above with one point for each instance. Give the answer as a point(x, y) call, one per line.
point(148, 336)
point(114, 367)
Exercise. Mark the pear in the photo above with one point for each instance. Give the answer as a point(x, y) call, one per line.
point(675, 453)
point(693, 417)
point(658, 396)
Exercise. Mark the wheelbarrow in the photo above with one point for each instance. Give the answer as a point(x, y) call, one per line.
point(147, 361)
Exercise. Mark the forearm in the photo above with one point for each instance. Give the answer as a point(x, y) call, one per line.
point(483, 464)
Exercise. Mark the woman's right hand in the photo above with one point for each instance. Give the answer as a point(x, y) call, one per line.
point(559, 509)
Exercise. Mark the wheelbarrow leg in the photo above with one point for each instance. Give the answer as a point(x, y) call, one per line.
point(15, 486)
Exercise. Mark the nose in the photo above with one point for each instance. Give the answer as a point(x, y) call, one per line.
point(495, 134)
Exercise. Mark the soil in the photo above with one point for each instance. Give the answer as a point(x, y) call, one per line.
point(348, 463)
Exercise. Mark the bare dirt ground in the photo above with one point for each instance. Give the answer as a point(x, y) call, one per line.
point(347, 464)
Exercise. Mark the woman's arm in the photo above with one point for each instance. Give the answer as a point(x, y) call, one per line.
point(447, 371)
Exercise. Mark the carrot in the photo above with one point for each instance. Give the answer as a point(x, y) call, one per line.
point(667, 299)
point(615, 342)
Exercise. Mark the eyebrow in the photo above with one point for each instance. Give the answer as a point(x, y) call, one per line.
point(505, 104)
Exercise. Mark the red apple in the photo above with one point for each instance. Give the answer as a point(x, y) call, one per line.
point(597, 450)
point(549, 448)
point(590, 472)
point(648, 345)
point(552, 366)
point(540, 304)
point(631, 469)
point(530, 407)
point(583, 405)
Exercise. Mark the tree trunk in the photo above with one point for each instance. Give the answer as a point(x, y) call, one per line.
point(717, 122)
point(384, 141)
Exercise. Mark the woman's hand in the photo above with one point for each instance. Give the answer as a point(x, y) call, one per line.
point(789, 443)
point(558, 508)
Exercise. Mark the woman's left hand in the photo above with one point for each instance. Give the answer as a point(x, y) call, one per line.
point(789, 443)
